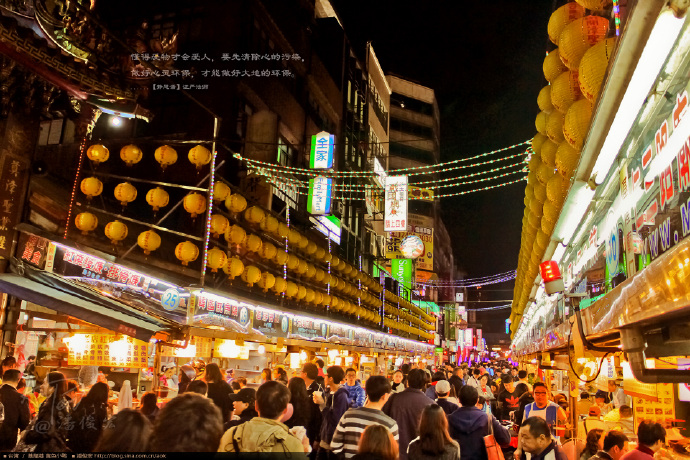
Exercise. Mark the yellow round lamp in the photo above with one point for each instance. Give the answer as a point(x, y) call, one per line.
point(567, 159)
point(561, 18)
point(544, 173)
point(556, 189)
point(548, 153)
point(302, 267)
point(301, 292)
point(553, 66)
point(579, 36)
point(131, 154)
point(125, 193)
point(335, 302)
point(593, 68)
point(576, 123)
point(535, 162)
point(215, 259)
point(310, 296)
point(311, 248)
point(86, 222)
point(294, 237)
point(303, 243)
point(311, 271)
point(319, 275)
point(547, 225)
point(283, 230)
point(91, 187)
point(544, 99)
point(219, 225)
point(292, 262)
point(536, 208)
point(320, 253)
point(235, 234)
point(594, 5)
point(291, 290)
point(266, 281)
point(540, 122)
point(165, 156)
point(186, 252)
point(157, 198)
point(251, 275)
point(194, 204)
point(318, 298)
point(116, 231)
point(149, 241)
point(269, 225)
point(236, 203)
point(253, 243)
point(199, 156)
point(233, 268)
point(98, 153)
point(280, 286)
point(221, 191)
point(281, 257)
point(551, 211)
point(566, 90)
point(554, 126)
point(268, 251)
point(254, 215)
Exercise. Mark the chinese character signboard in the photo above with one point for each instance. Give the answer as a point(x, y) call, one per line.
point(320, 192)
point(395, 218)
point(106, 350)
point(271, 323)
point(322, 151)
point(421, 226)
point(14, 172)
point(32, 249)
point(213, 310)
point(308, 328)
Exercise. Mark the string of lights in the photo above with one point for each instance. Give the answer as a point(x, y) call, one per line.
point(478, 279)
point(476, 284)
point(499, 307)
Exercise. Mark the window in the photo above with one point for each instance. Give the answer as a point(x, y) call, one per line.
point(285, 153)
point(415, 105)
point(408, 127)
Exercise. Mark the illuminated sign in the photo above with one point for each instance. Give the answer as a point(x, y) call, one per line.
point(329, 226)
point(322, 145)
point(395, 216)
point(320, 192)
point(106, 350)
point(402, 271)
point(412, 247)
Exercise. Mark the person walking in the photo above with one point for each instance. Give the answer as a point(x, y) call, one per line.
point(243, 407)
point(406, 408)
point(484, 387)
point(310, 374)
point(149, 405)
point(433, 442)
point(16, 410)
point(468, 425)
point(127, 431)
point(443, 392)
point(377, 443)
point(188, 423)
point(548, 410)
point(353, 423)
point(650, 438)
point(615, 446)
point(301, 405)
point(456, 380)
point(218, 390)
point(355, 392)
point(49, 432)
point(88, 418)
point(594, 443)
point(333, 406)
point(536, 441)
point(473, 380)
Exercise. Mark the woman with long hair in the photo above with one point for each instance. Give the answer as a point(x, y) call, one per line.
point(266, 375)
point(301, 409)
point(186, 376)
point(128, 431)
point(434, 441)
point(149, 405)
point(218, 390)
point(595, 442)
point(49, 432)
point(377, 443)
point(88, 418)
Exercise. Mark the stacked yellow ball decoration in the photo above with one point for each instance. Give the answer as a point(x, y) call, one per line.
point(254, 215)
point(280, 286)
point(281, 257)
point(125, 193)
point(576, 123)
point(540, 122)
point(561, 18)
point(593, 68)
point(235, 234)
point(579, 36)
point(548, 153)
point(251, 275)
point(221, 191)
point(236, 203)
point(283, 230)
point(253, 243)
point(149, 241)
point(310, 295)
point(553, 66)
point(86, 222)
point(215, 259)
point(194, 204)
point(266, 281)
point(269, 224)
point(311, 248)
point(165, 156)
point(554, 126)
point(567, 159)
point(301, 292)
point(91, 187)
point(98, 154)
point(219, 224)
point(544, 99)
point(157, 198)
point(556, 189)
point(199, 156)
point(291, 290)
point(116, 231)
point(233, 268)
point(595, 5)
point(186, 252)
point(292, 262)
point(268, 251)
point(565, 91)
point(131, 154)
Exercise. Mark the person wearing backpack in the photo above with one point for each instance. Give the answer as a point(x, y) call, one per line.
point(266, 433)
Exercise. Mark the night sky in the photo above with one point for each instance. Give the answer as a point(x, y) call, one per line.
point(484, 60)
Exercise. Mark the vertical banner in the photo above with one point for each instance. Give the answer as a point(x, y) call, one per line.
point(322, 151)
point(320, 191)
point(396, 204)
point(402, 271)
point(14, 173)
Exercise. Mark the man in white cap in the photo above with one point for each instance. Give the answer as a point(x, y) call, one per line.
point(443, 391)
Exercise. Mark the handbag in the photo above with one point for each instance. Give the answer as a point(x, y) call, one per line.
point(493, 450)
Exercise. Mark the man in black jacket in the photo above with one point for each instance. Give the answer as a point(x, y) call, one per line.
point(16, 407)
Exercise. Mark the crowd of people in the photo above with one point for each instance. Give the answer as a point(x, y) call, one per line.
point(418, 414)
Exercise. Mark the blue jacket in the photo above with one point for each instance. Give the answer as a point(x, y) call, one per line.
point(336, 405)
point(356, 394)
point(468, 426)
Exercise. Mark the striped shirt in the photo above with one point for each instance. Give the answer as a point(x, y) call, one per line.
point(352, 425)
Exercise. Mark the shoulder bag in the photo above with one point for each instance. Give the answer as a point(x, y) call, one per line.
point(493, 450)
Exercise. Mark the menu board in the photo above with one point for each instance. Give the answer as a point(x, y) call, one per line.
point(662, 410)
point(341, 333)
point(197, 347)
point(308, 328)
point(364, 338)
point(106, 350)
point(213, 310)
point(271, 323)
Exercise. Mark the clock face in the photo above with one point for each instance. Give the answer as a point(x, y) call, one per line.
point(411, 247)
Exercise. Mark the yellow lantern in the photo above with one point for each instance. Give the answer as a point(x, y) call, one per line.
point(318, 298)
point(561, 18)
point(327, 257)
point(565, 90)
point(309, 296)
point(311, 247)
point(91, 187)
point(219, 224)
point(540, 122)
point(548, 153)
point(545, 173)
point(86, 222)
point(303, 243)
point(302, 267)
point(576, 124)
point(221, 191)
point(149, 241)
point(335, 302)
point(593, 68)
point(334, 261)
point(556, 189)
point(283, 230)
point(253, 243)
point(236, 203)
point(547, 225)
point(294, 237)
point(254, 215)
point(319, 275)
point(544, 99)
point(292, 262)
point(215, 259)
point(540, 191)
point(320, 253)
point(157, 198)
point(268, 251)
point(165, 156)
point(233, 268)
point(595, 5)
point(267, 281)
point(235, 234)
point(535, 162)
point(125, 193)
point(291, 290)
point(98, 153)
point(567, 159)
point(116, 231)
point(195, 204)
point(553, 66)
point(186, 252)
point(269, 225)
point(536, 208)
point(251, 275)
point(131, 154)
point(554, 126)
point(579, 36)
point(281, 257)
point(301, 292)
point(280, 286)
point(199, 156)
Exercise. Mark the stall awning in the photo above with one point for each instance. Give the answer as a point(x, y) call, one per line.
point(54, 292)
point(431, 307)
